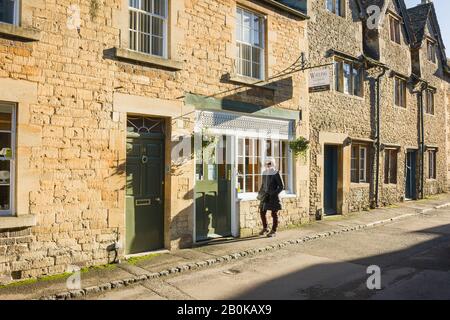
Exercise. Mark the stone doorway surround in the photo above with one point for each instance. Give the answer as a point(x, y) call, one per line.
point(344, 154)
point(178, 179)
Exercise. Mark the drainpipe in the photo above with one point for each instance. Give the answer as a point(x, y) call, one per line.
point(422, 140)
point(378, 141)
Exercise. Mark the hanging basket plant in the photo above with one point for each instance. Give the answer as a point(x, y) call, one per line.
point(299, 146)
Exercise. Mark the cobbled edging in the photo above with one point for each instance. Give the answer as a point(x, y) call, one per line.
point(116, 284)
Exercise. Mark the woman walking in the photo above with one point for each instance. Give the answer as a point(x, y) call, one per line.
point(271, 187)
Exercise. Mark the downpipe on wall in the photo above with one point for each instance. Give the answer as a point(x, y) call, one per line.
point(378, 136)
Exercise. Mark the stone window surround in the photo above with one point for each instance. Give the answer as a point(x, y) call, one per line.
point(366, 148)
point(433, 42)
point(23, 30)
point(396, 78)
point(353, 61)
point(397, 152)
point(434, 151)
point(175, 35)
point(395, 18)
point(23, 94)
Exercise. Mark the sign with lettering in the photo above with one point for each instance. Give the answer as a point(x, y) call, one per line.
point(319, 80)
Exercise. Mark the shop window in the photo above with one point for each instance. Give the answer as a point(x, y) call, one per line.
point(7, 154)
point(251, 155)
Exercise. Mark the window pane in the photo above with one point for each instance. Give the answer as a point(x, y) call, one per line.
point(5, 118)
point(362, 164)
point(159, 7)
point(357, 83)
point(338, 76)
point(347, 77)
point(330, 5)
point(393, 167)
point(7, 11)
point(146, 5)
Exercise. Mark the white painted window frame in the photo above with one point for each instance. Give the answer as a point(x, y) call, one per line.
point(12, 167)
point(263, 147)
point(338, 70)
point(165, 19)
point(262, 67)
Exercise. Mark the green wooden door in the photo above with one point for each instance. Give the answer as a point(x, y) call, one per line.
point(145, 196)
point(213, 199)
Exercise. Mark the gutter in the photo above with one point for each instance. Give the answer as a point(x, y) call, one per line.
point(283, 7)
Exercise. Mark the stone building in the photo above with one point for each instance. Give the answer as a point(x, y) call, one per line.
point(95, 100)
point(377, 135)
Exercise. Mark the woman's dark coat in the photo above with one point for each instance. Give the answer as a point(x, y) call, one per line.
point(273, 185)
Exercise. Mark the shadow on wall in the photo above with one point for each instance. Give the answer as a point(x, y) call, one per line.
point(416, 272)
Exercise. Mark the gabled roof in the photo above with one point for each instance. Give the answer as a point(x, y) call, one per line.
point(364, 5)
point(418, 18)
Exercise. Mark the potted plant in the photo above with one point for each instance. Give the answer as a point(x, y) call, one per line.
point(299, 146)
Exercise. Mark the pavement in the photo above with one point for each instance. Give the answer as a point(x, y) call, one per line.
point(324, 259)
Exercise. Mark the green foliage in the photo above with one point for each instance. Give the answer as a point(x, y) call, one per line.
point(135, 260)
point(299, 146)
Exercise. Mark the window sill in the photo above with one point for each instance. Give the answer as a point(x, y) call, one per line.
point(400, 107)
point(130, 55)
point(359, 185)
point(351, 96)
point(11, 31)
point(251, 82)
point(253, 196)
point(17, 222)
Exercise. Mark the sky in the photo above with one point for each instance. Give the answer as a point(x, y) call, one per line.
point(443, 14)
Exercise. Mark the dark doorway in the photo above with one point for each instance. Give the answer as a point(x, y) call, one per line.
point(330, 179)
point(410, 185)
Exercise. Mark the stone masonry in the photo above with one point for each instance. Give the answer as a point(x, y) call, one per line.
point(73, 94)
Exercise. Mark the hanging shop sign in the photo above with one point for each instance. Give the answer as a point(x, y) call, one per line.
point(319, 80)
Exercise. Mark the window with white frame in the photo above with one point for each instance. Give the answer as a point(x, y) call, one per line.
point(432, 164)
point(148, 26)
point(390, 166)
point(251, 154)
point(429, 101)
point(250, 39)
point(9, 11)
point(336, 6)
point(7, 154)
point(400, 92)
point(359, 164)
point(348, 77)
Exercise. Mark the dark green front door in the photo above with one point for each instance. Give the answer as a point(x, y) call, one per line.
point(213, 198)
point(145, 196)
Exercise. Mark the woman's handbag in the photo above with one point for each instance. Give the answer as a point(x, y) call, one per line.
point(262, 196)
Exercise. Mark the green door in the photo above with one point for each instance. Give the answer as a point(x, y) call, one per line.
point(145, 197)
point(213, 198)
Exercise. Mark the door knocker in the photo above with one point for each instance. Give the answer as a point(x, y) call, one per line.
point(144, 159)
